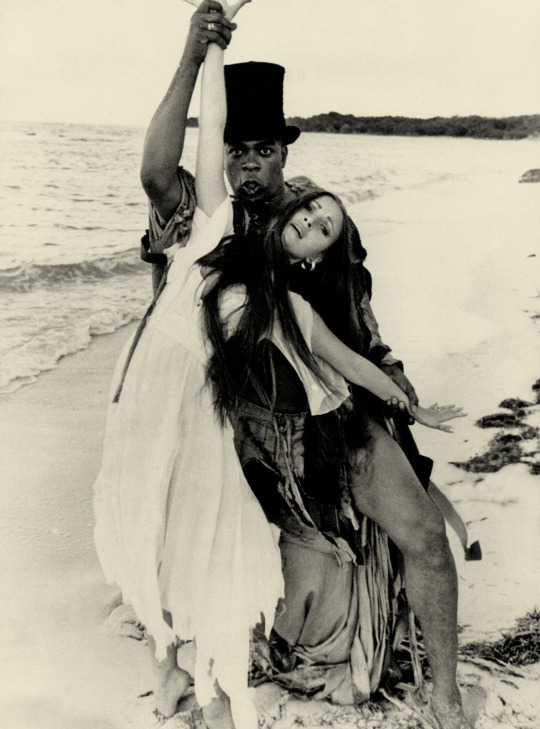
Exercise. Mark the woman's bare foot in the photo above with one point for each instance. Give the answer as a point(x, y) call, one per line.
point(172, 684)
point(217, 714)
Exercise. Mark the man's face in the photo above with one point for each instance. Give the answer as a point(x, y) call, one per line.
point(255, 169)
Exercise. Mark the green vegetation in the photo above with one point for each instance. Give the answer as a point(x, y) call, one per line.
point(513, 127)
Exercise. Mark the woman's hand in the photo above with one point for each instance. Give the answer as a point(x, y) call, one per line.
point(436, 415)
point(229, 9)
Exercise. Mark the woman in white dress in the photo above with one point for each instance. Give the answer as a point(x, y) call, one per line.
point(177, 526)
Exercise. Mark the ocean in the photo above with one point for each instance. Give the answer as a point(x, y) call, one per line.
point(73, 213)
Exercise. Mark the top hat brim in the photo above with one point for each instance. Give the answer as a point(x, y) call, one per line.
point(290, 135)
point(249, 132)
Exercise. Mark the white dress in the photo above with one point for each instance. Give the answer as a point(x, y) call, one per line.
point(177, 525)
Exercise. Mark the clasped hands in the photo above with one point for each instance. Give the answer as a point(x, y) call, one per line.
point(211, 23)
point(433, 417)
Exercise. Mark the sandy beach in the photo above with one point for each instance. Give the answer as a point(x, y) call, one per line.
point(457, 284)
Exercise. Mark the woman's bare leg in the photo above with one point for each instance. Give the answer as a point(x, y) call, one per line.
point(171, 681)
point(386, 490)
point(217, 714)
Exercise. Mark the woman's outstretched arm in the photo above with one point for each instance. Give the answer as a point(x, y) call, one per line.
point(209, 180)
point(360, 371)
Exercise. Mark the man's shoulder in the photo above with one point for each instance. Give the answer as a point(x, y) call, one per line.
point(164, 233)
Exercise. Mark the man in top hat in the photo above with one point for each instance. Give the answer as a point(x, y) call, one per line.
point(256, 147)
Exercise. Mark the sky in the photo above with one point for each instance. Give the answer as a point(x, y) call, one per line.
point(110, 61)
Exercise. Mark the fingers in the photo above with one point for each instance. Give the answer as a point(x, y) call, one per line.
point(212, 28)
point(453, 411)
point(217, 18)
point(448, 412)
point(398, 408)
point(395, 373)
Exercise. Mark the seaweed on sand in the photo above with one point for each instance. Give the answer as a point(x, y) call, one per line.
point(500, 420)
point(515, 404)
point(506, 448)
point(519, 647)
point(496, 457)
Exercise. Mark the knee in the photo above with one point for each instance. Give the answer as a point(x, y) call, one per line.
point(426, 538)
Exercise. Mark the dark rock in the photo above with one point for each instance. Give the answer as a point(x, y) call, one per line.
point(530, 176)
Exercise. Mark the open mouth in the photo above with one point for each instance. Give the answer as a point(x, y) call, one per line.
point(251, 187)
point(297, 229)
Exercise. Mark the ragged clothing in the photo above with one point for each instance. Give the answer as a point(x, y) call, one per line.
point(177, 525)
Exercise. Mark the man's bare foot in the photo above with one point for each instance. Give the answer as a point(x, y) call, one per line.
point(448, 715)
point(172, 685)
point(217, 714)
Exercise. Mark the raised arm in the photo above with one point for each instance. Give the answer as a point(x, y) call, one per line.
point(164, 141)
point(360, 371)
point(209, 180)
point(209, 176)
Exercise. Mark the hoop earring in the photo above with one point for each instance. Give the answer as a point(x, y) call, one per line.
point(308, 265)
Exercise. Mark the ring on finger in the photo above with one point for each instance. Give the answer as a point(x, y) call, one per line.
point(211, 26)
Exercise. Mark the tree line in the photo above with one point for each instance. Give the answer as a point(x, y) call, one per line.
point(479, 127)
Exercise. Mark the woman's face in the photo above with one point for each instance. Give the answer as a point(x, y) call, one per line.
point(313, 229)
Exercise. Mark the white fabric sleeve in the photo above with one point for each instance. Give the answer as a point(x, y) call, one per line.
point(206, 233)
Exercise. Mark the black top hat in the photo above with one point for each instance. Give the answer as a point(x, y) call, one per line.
point(255, 103)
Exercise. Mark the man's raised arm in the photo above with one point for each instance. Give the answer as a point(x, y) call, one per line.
point(164, 141)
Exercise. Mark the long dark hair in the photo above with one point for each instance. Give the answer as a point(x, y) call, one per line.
point(336, 286)
point(335, 289)
point(259, 263)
